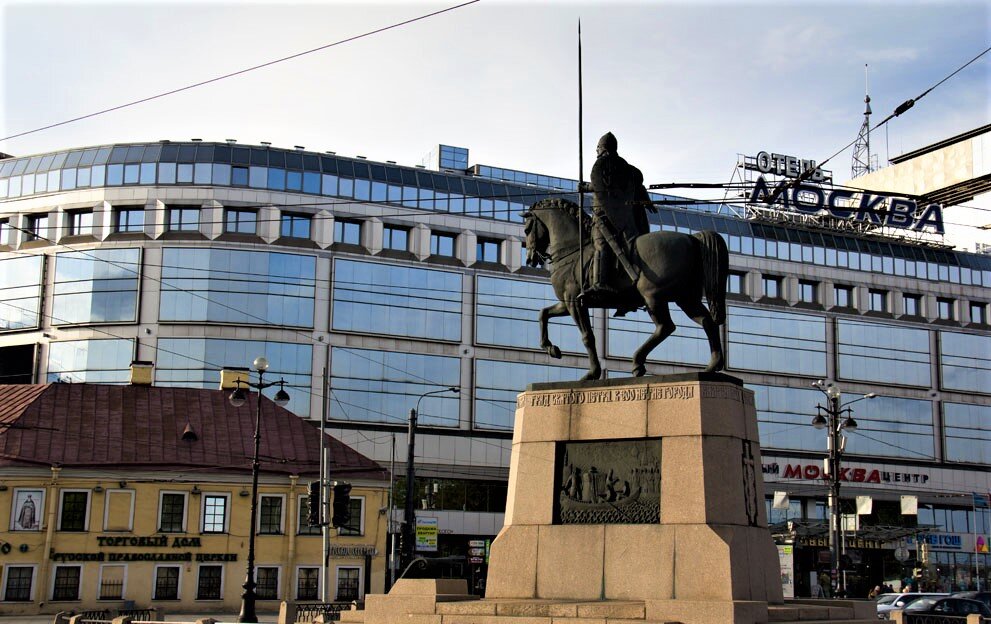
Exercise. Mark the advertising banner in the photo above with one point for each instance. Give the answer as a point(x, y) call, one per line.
point(786, 559)
point(426, 534)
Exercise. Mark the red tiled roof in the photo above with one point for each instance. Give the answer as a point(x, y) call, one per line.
point(140, 428)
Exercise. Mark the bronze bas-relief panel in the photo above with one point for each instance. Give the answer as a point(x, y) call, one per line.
point(613, 482)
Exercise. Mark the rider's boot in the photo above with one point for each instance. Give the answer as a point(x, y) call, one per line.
point(601, 275)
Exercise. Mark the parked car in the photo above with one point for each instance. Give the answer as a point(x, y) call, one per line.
point(949, 606)
point(983, 596)
point(886, 603)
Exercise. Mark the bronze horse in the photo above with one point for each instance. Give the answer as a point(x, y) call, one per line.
point(674, 267)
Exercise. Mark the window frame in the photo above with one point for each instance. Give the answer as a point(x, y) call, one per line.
point(848, 293)
point(74, 225)
point(199, 580)
point(282, 514)
point(6, 579)
point(342, 227)
point(481, 244)
point(804, 284)
point(389, 232)
point(237, 212)
point(61, 505)
point(291, 218)
point(949, 303)
point(437, 236)
point(278, 581)
point(129, 228)
point(32, 232)
point(982, 309)
point(777, 281)
point(154, 581)
point(918, 302)
point(106, 511)
point(99, 583)
point(337, 585)
point(742, 277)
point(54, 579)
point(6, 232)
point(296, 579)
point(185, 510)
point(227, 516)
point(343, 531)
point(182, 224)
point(881, 296)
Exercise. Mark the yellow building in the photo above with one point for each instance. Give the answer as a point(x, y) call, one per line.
point(116, 496)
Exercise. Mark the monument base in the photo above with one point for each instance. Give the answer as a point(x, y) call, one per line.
point(632, 500)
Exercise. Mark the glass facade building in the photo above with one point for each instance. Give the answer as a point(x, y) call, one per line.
point(402, 281)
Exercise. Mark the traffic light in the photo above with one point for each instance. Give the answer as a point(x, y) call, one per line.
point(313, 517)
point(342, 505)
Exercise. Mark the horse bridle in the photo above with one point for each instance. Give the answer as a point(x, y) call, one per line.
point(545, 257)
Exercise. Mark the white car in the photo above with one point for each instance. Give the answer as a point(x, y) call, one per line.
point(887, 603)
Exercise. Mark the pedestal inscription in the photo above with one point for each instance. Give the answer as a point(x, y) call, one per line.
point(615, 482)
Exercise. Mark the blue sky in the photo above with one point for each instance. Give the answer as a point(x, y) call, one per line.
point(685, 86)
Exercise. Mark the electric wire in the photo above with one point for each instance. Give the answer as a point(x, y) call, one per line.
point(243, 71)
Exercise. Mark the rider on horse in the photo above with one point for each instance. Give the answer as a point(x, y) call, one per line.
point(619, 216)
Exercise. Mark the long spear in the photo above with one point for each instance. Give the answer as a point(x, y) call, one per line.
point(581, 171)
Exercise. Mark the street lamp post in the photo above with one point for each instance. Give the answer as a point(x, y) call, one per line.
point(834, 448)
point(238, 398)
point(409, 517)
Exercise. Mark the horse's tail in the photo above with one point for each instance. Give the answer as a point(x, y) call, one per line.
point(715, 270)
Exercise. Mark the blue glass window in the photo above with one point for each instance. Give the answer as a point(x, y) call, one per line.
point(129, 219)
point(968, 438)
point(442, 244)
point(778, 342)
point(382, 386)
point(892, 427)
point(507, 312)
point(396, 238)
point(241, 221)
point(196, 363)
point(166, 173)
point(20, 292)
point(91, 361)
point(487, 250)
point(98, 286)
point(965, 361)
point(396, 300)
point(687, 345)
point(882, 353)
point(498, 383)
point(348, 232)
point(184, 219)
point(233, 286)
point(295, 226)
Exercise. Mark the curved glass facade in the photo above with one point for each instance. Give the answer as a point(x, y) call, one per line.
point(968, 438)
point(965, 361)
point(498, 383)
point(882, 353)
point(507, 310)
point(382, 386)
point(396, 300)
point(98, 286)
point(20, 292)
point(776, 342)
point(90, 361)
point(233, 286)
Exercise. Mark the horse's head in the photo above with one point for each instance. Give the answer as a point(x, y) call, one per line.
point(536, 238)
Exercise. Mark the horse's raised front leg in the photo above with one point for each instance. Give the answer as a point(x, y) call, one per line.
point(663, 327)
point(558, 309)
point(697, 312)
point(580, 314)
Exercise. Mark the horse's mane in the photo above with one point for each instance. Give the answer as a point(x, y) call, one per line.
point(571, 208)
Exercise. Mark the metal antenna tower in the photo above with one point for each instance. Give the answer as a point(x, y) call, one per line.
point(862, 148)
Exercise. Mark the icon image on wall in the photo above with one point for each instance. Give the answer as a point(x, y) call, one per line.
point(26, 510)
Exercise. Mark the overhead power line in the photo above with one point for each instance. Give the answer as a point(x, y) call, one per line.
point(243, 71)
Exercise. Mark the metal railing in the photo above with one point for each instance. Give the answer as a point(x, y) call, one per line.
point(308, 611)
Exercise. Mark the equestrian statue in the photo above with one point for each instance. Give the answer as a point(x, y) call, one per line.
point(657, 267)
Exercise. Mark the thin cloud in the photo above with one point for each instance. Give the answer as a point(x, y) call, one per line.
point(891, 55)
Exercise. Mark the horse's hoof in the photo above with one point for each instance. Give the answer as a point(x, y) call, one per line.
point(554, 352)
point(591, 375)
point(715, 365)
point(639, 371)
